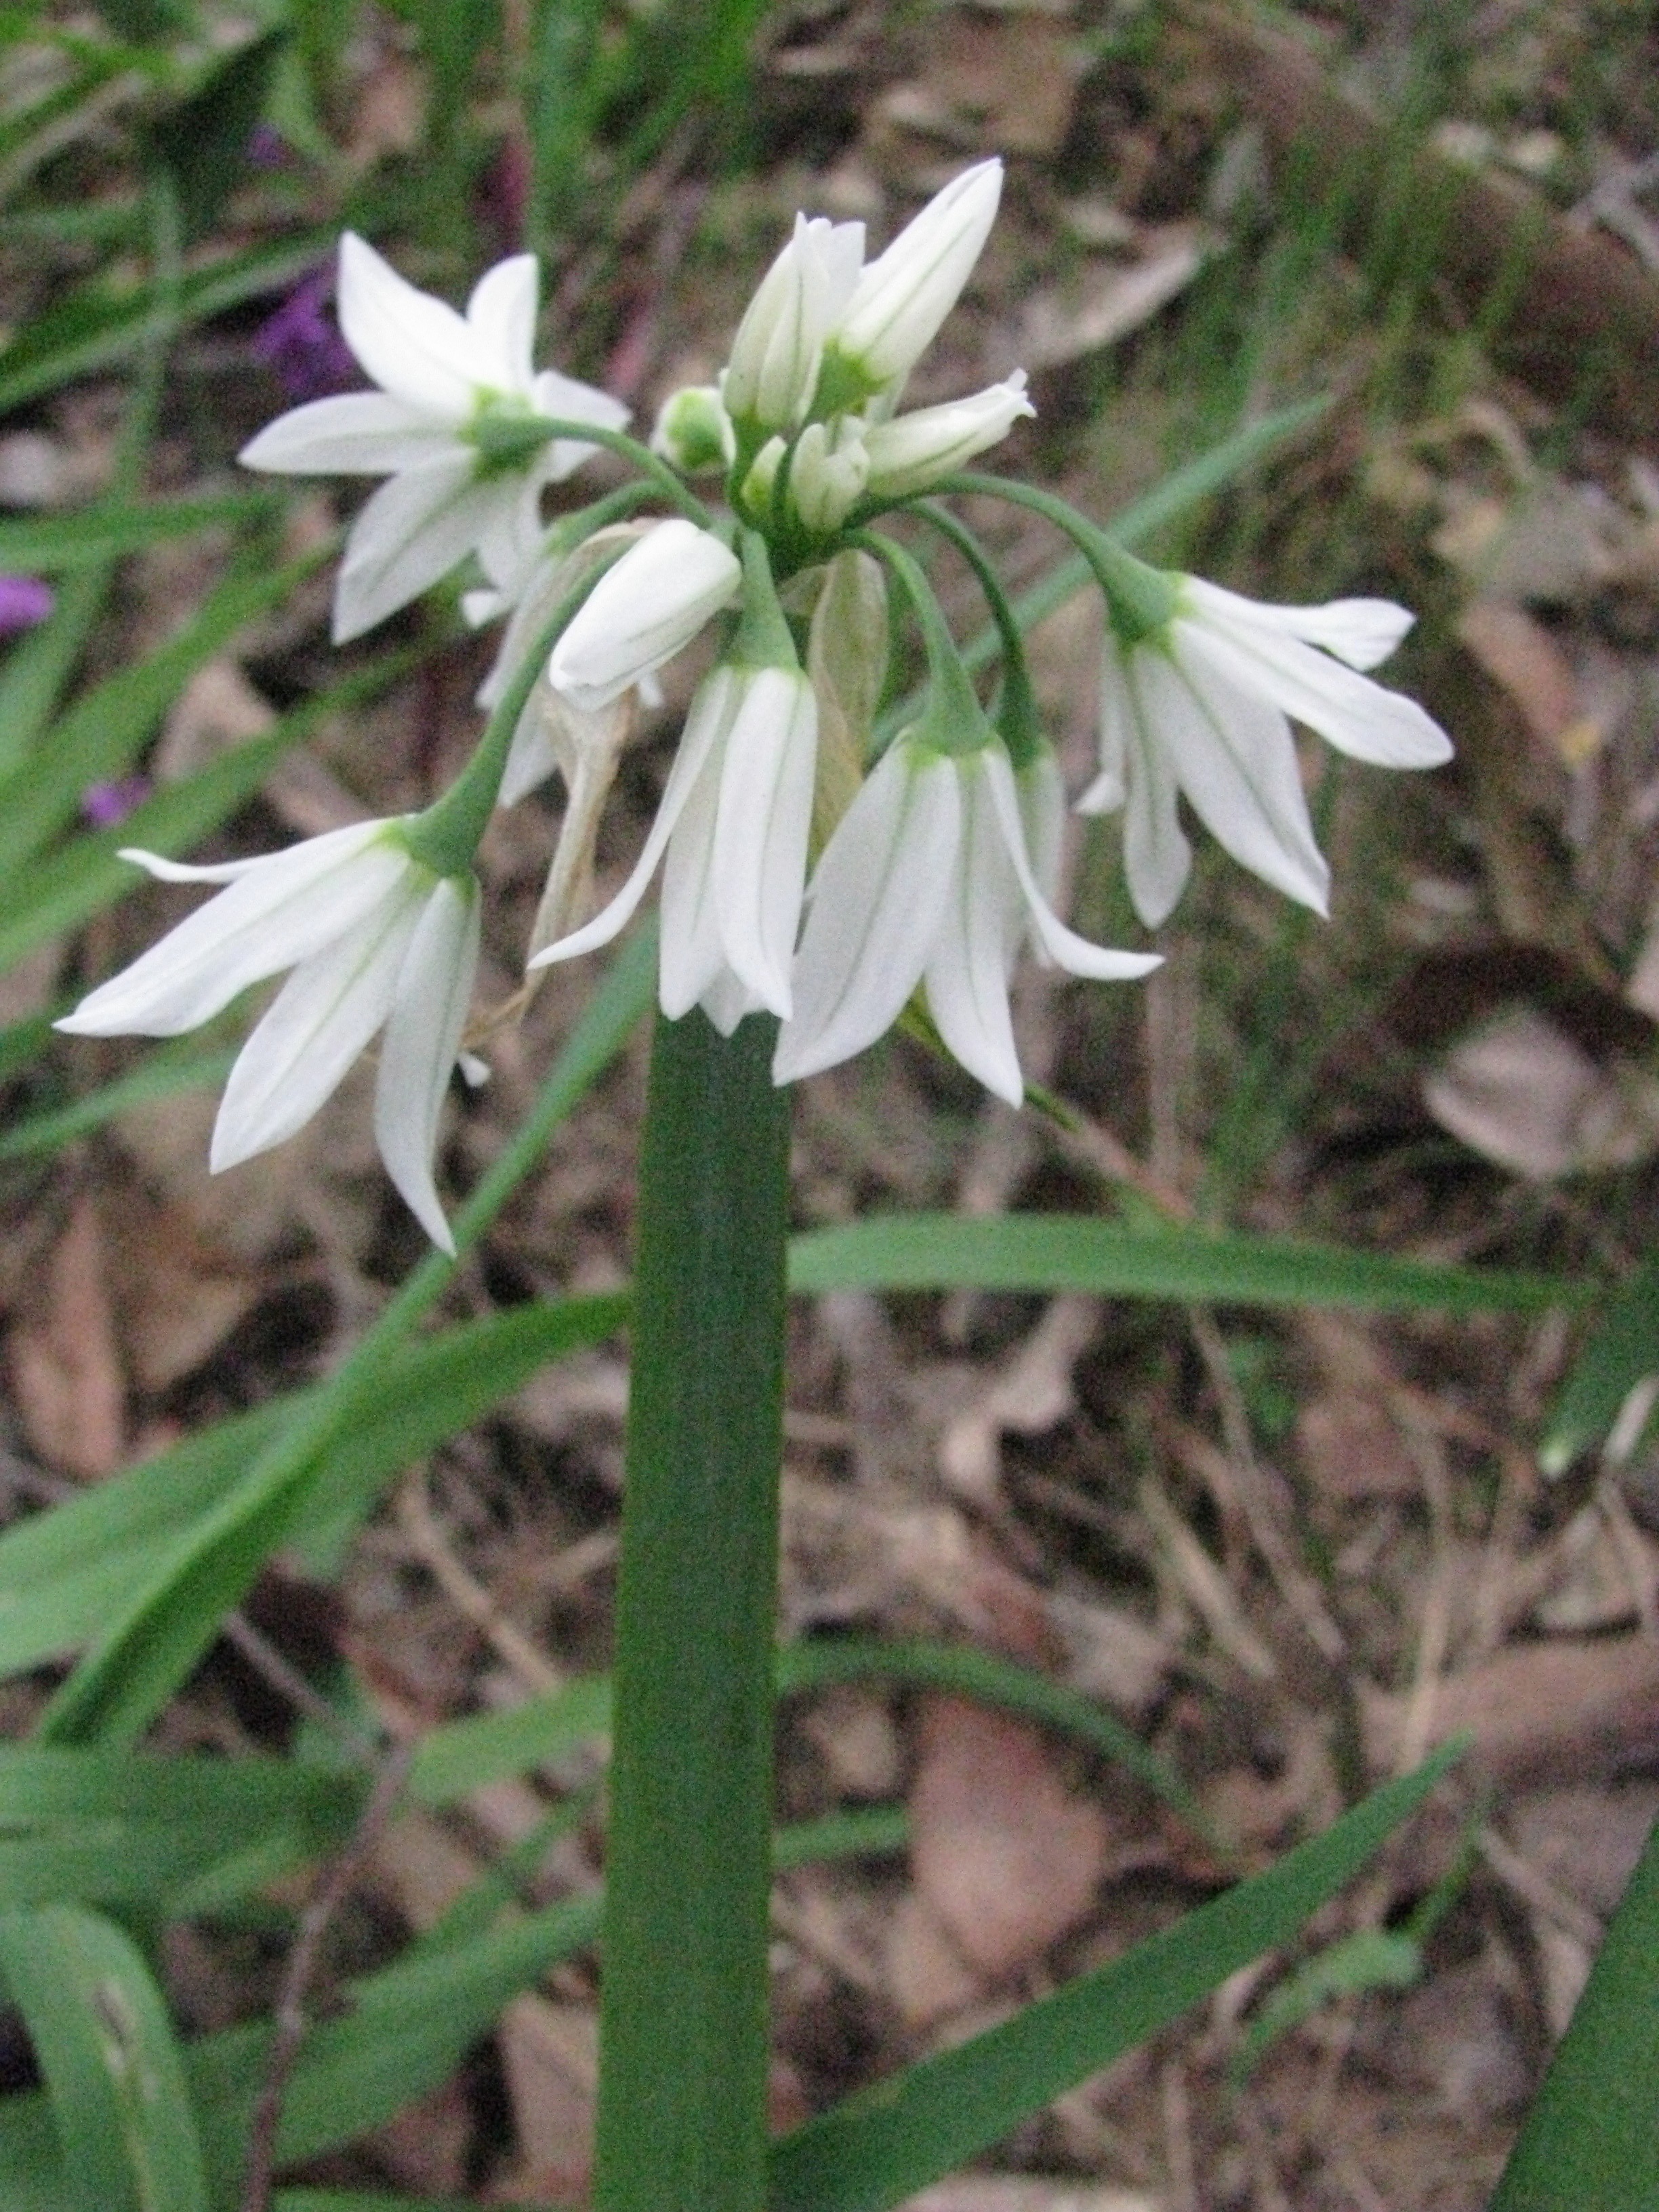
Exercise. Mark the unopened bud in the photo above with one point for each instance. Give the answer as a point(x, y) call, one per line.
point(914, 451)
point(828, 473)
point(694, 431)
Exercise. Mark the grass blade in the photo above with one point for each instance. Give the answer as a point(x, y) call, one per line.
point(101, 2030)
point(1622, 1351)
point(1592, 2138)
point(1074, 1252)
point(883, 2145)
point(55, 542)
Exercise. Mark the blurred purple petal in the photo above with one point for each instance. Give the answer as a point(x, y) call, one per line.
point(104, 804)
point(301, 344)
point(24, 601)
point(268, 149)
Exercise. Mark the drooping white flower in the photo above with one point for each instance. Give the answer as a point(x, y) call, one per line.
point(915, 449)
point(774, 369)
point(904, 294)
point(642, 611)
point(452, 428)
point(375, 942)
point(733, 823)
point(931, 876)
point(1202, 704)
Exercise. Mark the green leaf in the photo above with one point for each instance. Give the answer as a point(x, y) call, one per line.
point(55, 542)
point(1592, 2137)
point(202, 143)
point(894, 2138)
point(1622, 1351)
point(1368, 1959)
point(1074, 1252)
point(62, 1573)
point(100, 2030)
point(102, 733)
point(66, 887)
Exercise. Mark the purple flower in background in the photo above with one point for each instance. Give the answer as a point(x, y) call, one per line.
point(301, 344)
point(104, 804)
point(24, 601)
point(268, 149)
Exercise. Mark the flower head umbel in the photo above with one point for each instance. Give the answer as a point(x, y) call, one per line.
point(1199, 690)
point(453, 426)
point(375, 942)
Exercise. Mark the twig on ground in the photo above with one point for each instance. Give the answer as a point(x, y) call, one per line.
point(511, 1646)
point(288, 2020)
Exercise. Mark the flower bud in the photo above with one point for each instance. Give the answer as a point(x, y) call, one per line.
point(915, 449)
point(640, 613)
point(828, 473)
point(755, 495)
point(906, 293)
point(694, 431)
point(775, 357)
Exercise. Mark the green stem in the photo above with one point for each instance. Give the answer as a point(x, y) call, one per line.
point(505, 439)
point(1140, 600)
point(1017, 720)
point(446, 837)
point(951, 720)
point(682, 2032)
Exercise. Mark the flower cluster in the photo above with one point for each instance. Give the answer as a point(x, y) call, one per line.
point(823, 862)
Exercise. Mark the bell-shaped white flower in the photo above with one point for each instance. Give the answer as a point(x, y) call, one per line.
point(1202, 704)
point(375, 942)
point(915, 449)
point(932, 878)
point(642, 611)
point(905, 294)
point(451, 427)
point(733, 824)
point(774, 369)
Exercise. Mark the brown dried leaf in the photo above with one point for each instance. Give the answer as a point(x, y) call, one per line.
point(1008, 2192)
point(551, 2053)
point(1351, 1448)
point(1004, 1853)
point(65, 1369)
point(1559, 1708)
point(177, 1296)
point(1521, 1092)
point(1031, 1395)
point(1520, 654)
point(1111, 300)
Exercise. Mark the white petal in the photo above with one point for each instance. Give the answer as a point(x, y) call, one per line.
point(1349, 711)
point(414, 346)
point(726, 1002)
point(692, 956)
point(915, 449)
point(567, 401)
point(640, 613)
point(878, 899)
point(533, 754)
point(278, 910)
point(1063, 946)
point(967, 977)
point(1362, 632)
point(1235, 758)
point(422, 1039)
point(313, 1030)
point(501, 316)
point(762, 830)
point(187, 872)
point(703, 725)
point(1157, 857)
point(359, 434)
point(413, 530)
point(510, 530)
point(1111, 787)
point(1042, 813)
point(906, 293)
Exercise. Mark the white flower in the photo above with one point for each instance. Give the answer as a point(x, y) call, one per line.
point(774, 369)
point(1201, 705)
point(449, 385)
point(913, 450)
point(375, 940)
point(906, 293)
point(640, 613)
point(930, 878)
point(733, 821)
point(694, 432)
